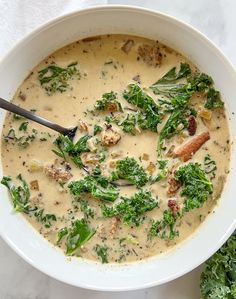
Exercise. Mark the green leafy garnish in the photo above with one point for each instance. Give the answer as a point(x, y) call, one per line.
point(163, 170)
point(97, 129)
point(108, 102)
point(165, 228)
point(23, 126)
point(44, 218)
point(76, 235)
point(66, 146)
point(196, 186)
point(213, 99)
point(129, 123)
point(102, 253)
point(129, 169)
point(176, 123)
point(132, 209)
point(22, 141)
point(97, 185)
point(218, 280)
point(54, 78)
point(149, 116)
point(19, 195)
point(210, 166)
point(86, 209)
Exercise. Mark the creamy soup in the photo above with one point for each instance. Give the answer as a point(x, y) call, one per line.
point(150, 155)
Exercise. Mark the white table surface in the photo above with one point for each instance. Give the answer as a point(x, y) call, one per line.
point(216, 19)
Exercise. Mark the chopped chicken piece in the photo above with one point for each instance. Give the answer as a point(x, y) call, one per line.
point(151, 55)
point(110, 137)
point(187, 150)
point(57, 173)
point(83, 127)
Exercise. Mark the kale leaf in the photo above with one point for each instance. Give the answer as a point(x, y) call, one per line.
point(19, 195)
point(97, 129)
point(218, 280)
point(108, 102)
point(86, 209)
point(162, 174)
point(149, 116)
point(101, 251)
point(213, 99)
point(44, 218)
point(210, 166)
point(132, 209)
point(54, 78)
point(97, 185)
point(129, 169)
point(76, 235)
point(165, 228)
point(196, 186)
point(129, 123)
point(176, 122)
point(65, 146)
point(22, 141)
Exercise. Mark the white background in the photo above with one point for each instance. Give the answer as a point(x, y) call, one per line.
point(215, 18)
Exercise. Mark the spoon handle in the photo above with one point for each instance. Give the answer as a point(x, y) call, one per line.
point(29, 115)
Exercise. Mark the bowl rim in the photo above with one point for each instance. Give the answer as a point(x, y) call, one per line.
point(133, 8)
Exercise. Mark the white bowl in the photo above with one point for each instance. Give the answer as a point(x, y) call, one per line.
point(215, 230)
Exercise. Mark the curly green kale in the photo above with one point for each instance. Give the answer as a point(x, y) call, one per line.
point(108, 102)
point(132, 209)
point(20, 195)
point(218, 280)
point(163, 170)
point(165, 228)
point(102, 252)
point(66, 146)
point(129, 169)
point(95, 184)
point(149, 116)
point(196, 186)
point(54, 78)
point(76, 235)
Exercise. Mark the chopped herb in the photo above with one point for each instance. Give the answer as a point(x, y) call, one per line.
point(97, 185)
point(101, 251)
point(165, 228)
point(77, 235)
point(108, 102)
point(176, 122)
point(149, 116)
point(17, 117)
point(23, 126)
point(218, 280)
point(86, 209)
point(54, 78)
point(196, 186)
point(19, 195)
point(97, 129)
point(210, 166)
point(65, 146)
point(129, 123)
point(45, 219)
point(22, 141)
point(129, 169)
point(132, 209)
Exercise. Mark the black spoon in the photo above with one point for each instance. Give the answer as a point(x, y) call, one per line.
point(42, 121)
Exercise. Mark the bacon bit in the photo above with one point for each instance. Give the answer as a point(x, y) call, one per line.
point(173, 186)
point(187, 150)
point(151, 168)
point(205, 114)
point(57, 173)
point(151, 55)
point(192, 125)
point(110, 137)
point(174, 207)
point(145, 157)
point(127, 46)
point(83, 127)
point(114, 224)
point(34, 185)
